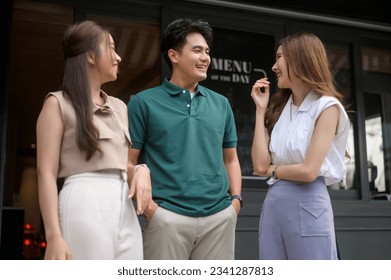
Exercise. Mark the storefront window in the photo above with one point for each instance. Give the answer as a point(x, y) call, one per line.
point(338, 56)
point(376, 63)
point(36, 65)
point(138, 45)
point(238, 60)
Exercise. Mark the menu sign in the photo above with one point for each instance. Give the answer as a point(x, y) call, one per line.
point(238, 59)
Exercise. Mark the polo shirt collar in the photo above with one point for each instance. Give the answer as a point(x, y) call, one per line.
point(307, 102)
point(175, 90)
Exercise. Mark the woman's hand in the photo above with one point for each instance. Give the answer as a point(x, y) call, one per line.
point(260, 93)
point(141, 188)
point(57, 249)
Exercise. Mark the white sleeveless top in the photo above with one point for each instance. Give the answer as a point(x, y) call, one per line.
point(291, 136)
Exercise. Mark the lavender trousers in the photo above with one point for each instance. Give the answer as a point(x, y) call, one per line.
point(297, 222)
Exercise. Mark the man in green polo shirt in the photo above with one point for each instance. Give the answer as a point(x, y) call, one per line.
point(188, 136)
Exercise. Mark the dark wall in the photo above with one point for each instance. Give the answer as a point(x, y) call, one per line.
point(5, 34)
point(374, 10)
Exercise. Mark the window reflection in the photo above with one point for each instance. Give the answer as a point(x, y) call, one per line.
point(376, 64)
point(376, 60)
point(375, 156)
point(338, 56)
point(36, 64)
point(348, 182)
point(138, 45)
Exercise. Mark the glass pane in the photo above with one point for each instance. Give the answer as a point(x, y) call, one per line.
point(376, 65)
point(36, 65)
point(374, 139)
point(376, 60)
point(233, 72)
point(340, 64)
point(338, 57)
point(138, 45)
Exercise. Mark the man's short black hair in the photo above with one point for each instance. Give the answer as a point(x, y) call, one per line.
point(174, 36)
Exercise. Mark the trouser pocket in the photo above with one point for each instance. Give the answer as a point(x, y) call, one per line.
point(315, 219)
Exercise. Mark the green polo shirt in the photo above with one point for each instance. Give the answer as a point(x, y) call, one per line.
point(183, 141)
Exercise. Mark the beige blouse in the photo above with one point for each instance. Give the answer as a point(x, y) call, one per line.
point(111, 120)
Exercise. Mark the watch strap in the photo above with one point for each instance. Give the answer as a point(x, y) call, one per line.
point(238, 197)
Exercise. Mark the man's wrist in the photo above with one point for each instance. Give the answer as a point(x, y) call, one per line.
point(238, 197)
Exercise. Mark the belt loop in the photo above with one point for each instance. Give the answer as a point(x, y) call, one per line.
point(124, 175)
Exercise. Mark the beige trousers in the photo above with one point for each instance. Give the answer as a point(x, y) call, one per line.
point(170, 236)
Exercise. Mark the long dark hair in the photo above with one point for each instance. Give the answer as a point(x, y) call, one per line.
point(306, 58)
point(79, 40)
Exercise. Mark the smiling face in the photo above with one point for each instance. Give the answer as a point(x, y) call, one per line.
point(190, 64)
point(108, 60)
point(281, 70)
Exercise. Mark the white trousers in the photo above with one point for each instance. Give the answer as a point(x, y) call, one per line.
point(97, 219)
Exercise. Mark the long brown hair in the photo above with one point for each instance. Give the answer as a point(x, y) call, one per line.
point(78, 40)
point(306, 58)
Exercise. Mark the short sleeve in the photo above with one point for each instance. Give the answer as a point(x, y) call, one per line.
point(230, 136)
point(343, 122)
point(137, 122)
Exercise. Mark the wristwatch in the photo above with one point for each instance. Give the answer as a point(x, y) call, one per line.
point(238, 197)
point(274, 173)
